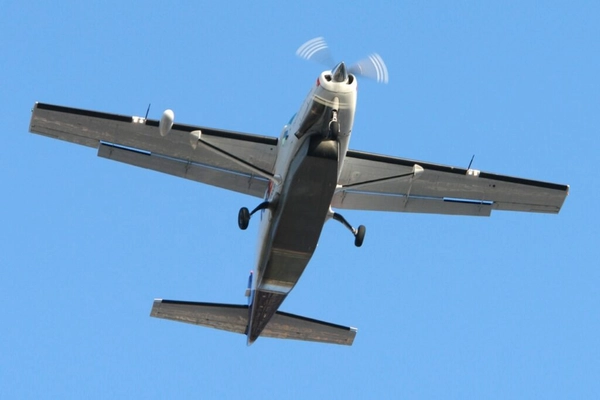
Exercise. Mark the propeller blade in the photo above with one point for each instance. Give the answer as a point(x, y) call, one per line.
point(316, 50)
point(371, 67)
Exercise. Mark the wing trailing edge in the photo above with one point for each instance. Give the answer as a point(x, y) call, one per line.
point(234, 318)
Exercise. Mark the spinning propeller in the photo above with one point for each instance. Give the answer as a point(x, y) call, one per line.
point(371, 67)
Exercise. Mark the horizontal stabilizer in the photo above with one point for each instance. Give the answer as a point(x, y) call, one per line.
point(290, 326)
point(226, 317)
point(234, 318)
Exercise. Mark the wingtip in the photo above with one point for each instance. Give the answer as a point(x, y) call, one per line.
point(154, 310)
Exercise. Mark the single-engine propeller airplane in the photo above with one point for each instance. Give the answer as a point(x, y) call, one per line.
point(301, 177)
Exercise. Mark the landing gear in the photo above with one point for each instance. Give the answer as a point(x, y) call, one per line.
point(334, 124)
point(243, 218)
point(244, 214)
point(334, 128)
point(359, 234)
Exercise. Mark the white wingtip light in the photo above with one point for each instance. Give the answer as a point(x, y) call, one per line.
point(166, 122)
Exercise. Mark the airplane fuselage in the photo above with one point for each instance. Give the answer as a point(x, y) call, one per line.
point(301, 177)
point(310, 156)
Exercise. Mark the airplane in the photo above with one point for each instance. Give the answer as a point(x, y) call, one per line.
point(299, 178)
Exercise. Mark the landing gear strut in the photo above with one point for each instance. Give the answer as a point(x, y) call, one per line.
point(359, 234)
point(244, 214)
point(334, 124)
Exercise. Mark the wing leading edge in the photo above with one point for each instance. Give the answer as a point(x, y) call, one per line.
point(242, 163)
point(375, 182)
point(234, 318)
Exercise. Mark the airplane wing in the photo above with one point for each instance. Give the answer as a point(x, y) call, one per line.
point(230, 160)
point(375, 182)
point(234, 318)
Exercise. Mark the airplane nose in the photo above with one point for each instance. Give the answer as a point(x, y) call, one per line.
point(340, 74)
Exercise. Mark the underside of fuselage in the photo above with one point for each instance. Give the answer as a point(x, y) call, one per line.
point(297, 221)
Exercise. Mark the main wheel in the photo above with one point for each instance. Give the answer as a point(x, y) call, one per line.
point(243, 218)
point(360, 236)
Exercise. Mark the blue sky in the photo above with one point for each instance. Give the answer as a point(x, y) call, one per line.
point(446, 307)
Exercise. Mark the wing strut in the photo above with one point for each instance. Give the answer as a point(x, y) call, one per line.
point(196, 137)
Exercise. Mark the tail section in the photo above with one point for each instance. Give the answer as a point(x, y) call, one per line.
point(290, 326)
point(234, 318)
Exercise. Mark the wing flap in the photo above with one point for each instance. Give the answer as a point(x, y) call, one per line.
point(245, 183)
point(354, 200)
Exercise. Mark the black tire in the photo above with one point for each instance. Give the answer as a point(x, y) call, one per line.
point(360, 236)
point(243, 218)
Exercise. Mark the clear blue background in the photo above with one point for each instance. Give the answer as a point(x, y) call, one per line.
point(447, 307)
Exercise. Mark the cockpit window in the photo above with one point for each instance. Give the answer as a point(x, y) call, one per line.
point(292, 119)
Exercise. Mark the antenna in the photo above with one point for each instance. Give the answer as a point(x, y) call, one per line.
point(472, 158)
point(147, 111)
